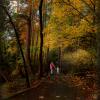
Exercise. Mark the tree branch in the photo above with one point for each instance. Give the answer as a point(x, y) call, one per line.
point(92, 3)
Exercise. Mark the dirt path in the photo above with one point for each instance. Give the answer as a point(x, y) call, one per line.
point(51, 90)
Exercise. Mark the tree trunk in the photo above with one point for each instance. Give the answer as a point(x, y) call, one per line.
point(41, 40)
point(59, 58)
point(35, 52)
point(28, 42)
point(48, 62)
point(28, 60)
point(98, 43)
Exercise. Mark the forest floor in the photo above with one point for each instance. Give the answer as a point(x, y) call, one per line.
point(62, 88)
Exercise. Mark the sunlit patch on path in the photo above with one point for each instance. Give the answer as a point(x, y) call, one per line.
point(41, 97)
point(58, 96)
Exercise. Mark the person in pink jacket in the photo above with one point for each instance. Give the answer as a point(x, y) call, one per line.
point(52, 67)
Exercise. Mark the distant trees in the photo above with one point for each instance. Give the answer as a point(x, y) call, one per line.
point(18, 41)
point(71, 27)
point(2, 45)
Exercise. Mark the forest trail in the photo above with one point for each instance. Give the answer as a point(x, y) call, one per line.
point(51, 90)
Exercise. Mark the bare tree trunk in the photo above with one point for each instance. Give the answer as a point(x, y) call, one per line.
point(41, 40)
point(35, 53)
point(59, 57)
point(28, 42)
point(47, 60)
point(18, 8)
point(98, 43)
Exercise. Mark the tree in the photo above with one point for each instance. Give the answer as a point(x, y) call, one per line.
point(28, 38)
point(98, 43)
point(2, 29)
point(41, 40)
point(18, 41)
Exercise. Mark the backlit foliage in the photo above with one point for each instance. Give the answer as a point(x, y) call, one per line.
point(67, 20)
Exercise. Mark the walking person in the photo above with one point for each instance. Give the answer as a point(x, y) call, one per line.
point(52, 68)
point(57, 73)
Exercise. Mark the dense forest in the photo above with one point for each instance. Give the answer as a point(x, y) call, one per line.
point(34, 33)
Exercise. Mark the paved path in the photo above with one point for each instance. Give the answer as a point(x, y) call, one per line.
point(51, 90)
